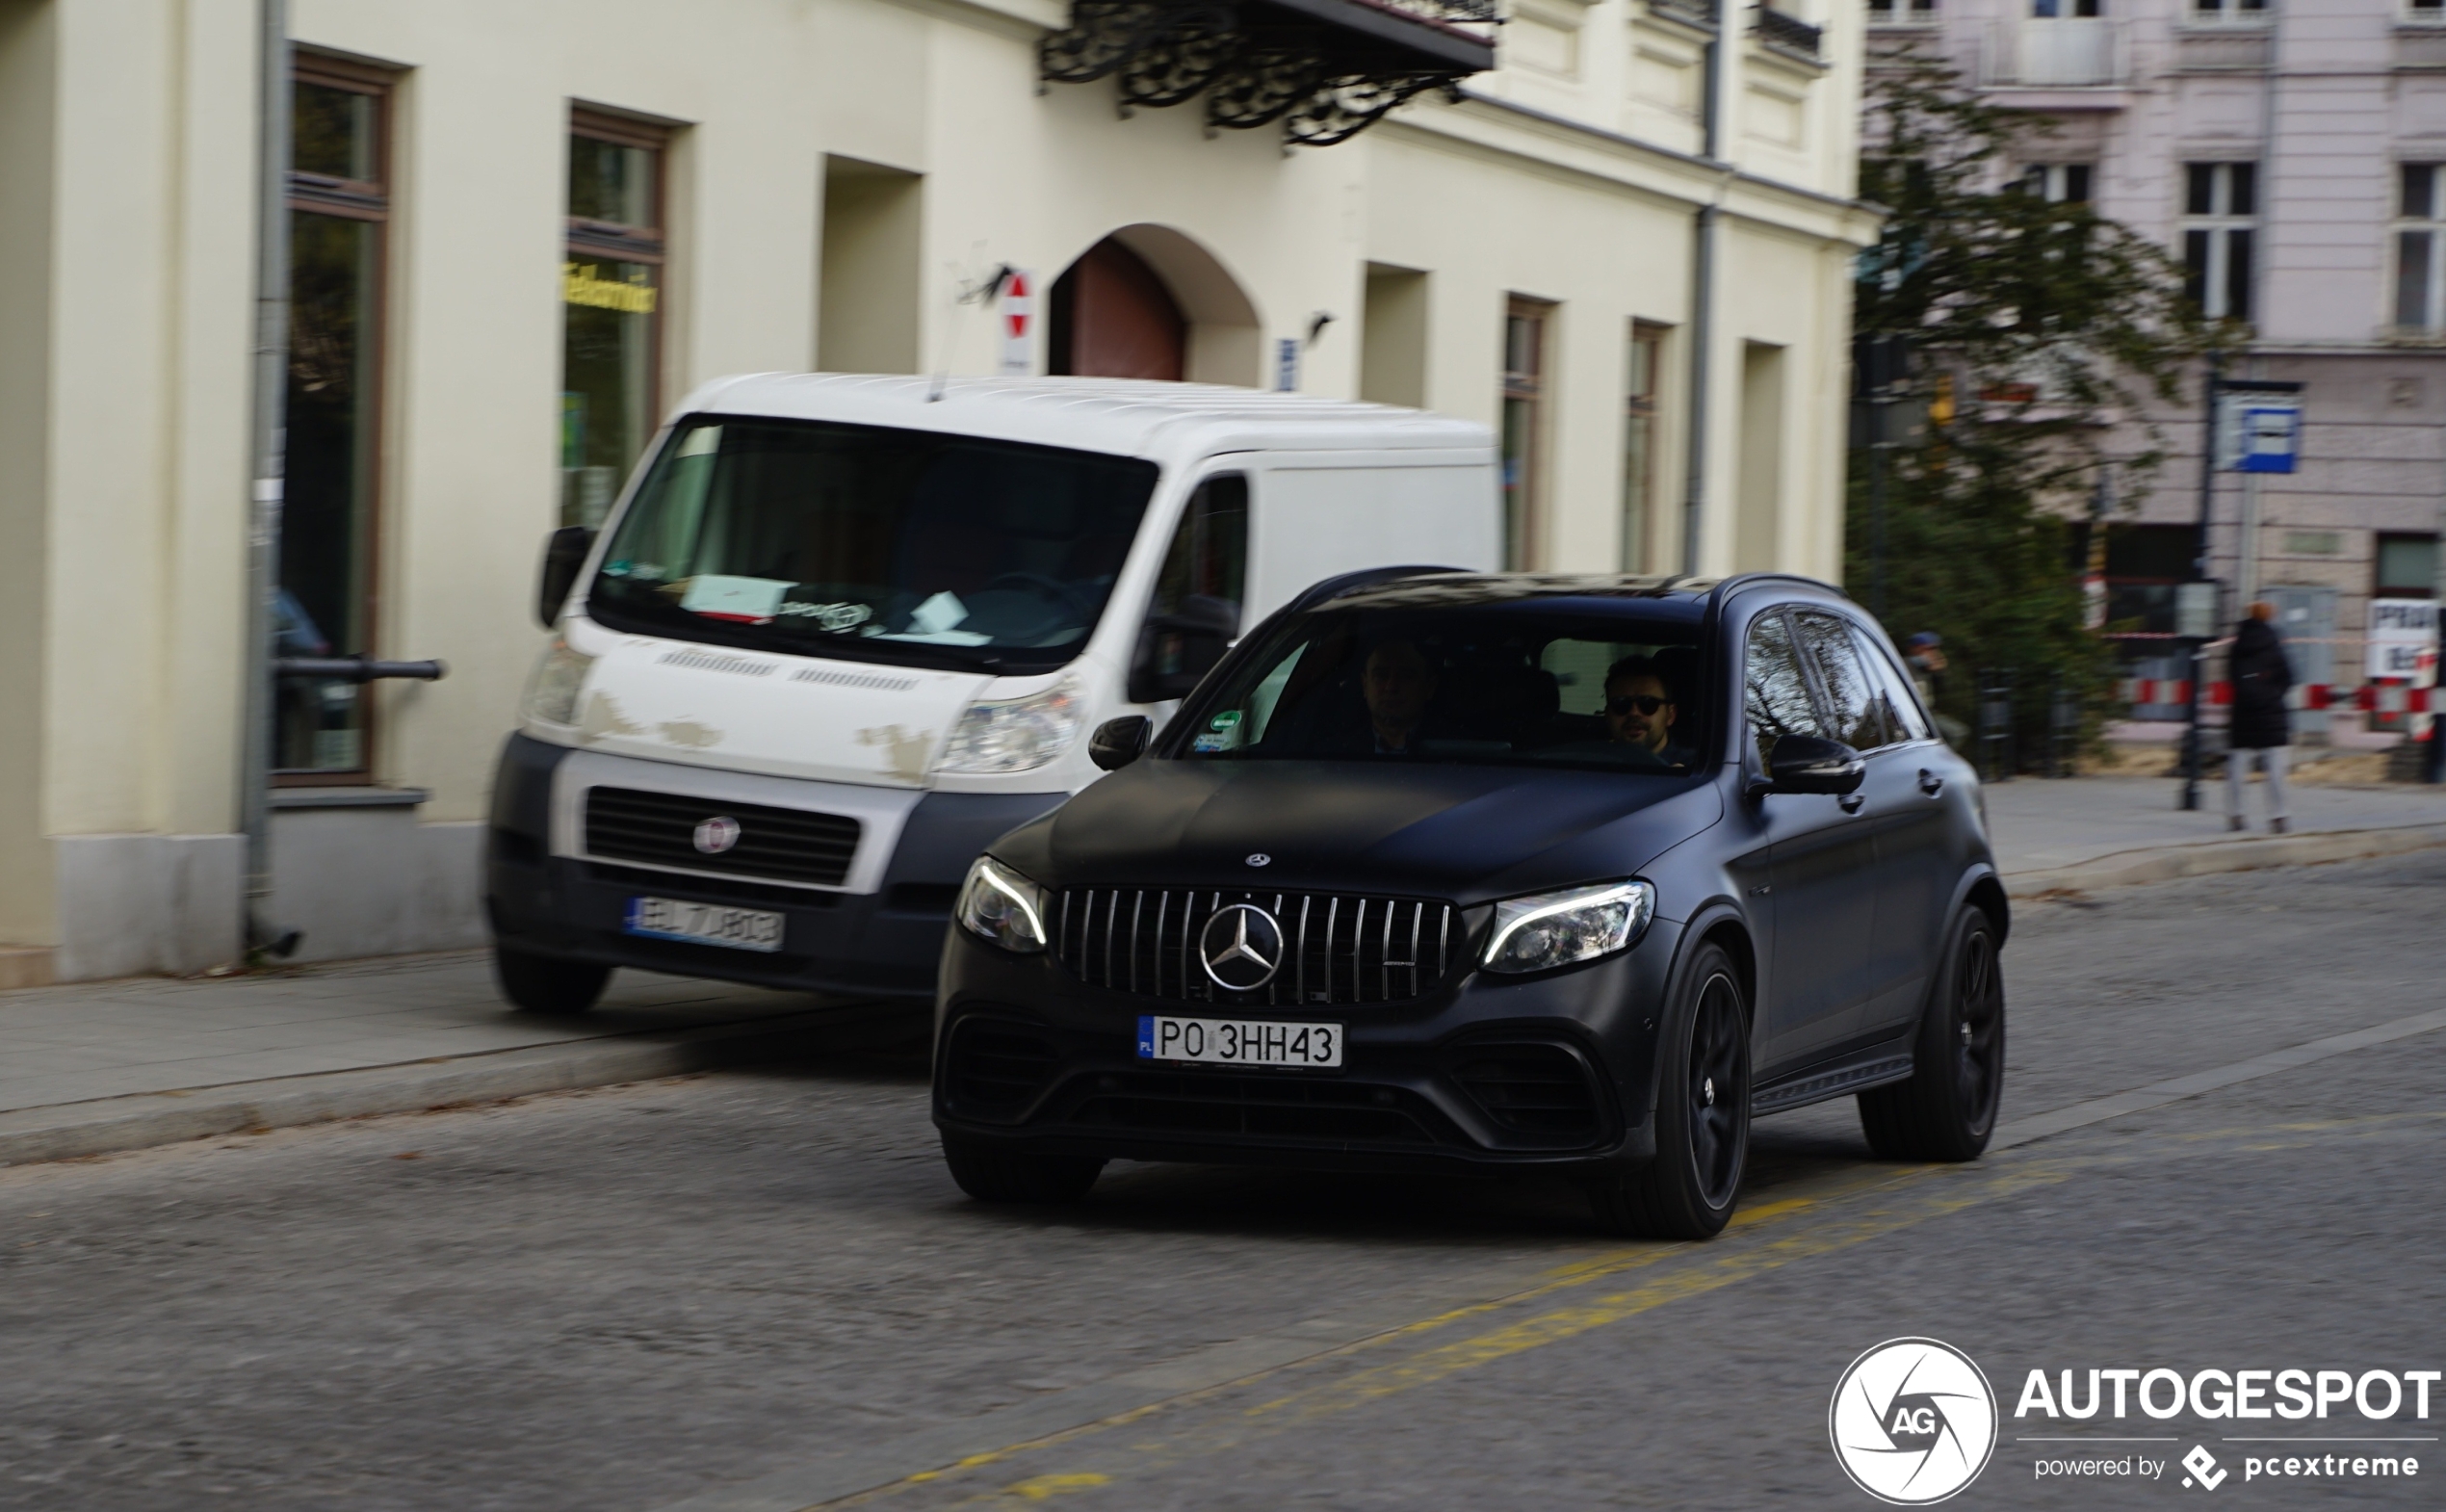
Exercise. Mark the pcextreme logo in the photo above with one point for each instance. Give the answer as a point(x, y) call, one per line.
point(1914, 1421)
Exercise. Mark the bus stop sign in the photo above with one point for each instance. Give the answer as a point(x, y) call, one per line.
point(2259, 436)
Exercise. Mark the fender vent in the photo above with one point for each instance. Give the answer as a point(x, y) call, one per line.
point(1540, 1091)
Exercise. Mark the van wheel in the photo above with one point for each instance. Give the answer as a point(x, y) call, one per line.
point(1948, 1107)
point(547, 983)
point(1703, 1115)
point(994, 1172)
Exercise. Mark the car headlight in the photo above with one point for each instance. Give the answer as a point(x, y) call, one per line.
point(1550, 929)
point(999, 904)
point(1015, 734)
point(551, 693)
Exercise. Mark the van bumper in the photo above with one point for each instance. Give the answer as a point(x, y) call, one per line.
point(882, 944)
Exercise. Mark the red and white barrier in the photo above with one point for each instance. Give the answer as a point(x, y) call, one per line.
point(2369, 697)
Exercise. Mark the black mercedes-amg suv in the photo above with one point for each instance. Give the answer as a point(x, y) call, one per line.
point(1446, 871)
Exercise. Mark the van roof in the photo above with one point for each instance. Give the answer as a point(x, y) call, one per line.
point(1130, 417)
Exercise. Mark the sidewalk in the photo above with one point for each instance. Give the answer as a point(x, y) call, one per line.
point(100, 1066)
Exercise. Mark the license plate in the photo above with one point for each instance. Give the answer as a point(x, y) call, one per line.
point(1238, 1042)
point(704, 923)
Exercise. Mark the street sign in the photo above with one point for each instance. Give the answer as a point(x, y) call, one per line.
point(1019, 325)
point(2257, 432)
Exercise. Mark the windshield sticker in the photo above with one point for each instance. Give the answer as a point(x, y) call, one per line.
point(1224, 721)
point(1213, 743)
point(839, 619)
point(747, 600)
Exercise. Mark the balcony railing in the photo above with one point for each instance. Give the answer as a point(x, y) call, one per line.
point(1690, 13)
point(1792, 36)
point(2067, 53)
point(1326, 69)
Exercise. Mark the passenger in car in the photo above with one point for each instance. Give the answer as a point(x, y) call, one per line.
point(1641, 709)
point(1399, 682)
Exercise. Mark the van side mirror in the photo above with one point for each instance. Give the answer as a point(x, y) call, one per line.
point(1811, 764)
point(1178, 649)
point(1117, 742)
point(565, 552)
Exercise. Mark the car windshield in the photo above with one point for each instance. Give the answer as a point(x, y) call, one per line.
point(876, 544)
point(1503, 683)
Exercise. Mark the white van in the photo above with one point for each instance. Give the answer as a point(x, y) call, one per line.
point(842, 632)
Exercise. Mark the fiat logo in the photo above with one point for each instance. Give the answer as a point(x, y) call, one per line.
point(1241, 947)
point(717, 834)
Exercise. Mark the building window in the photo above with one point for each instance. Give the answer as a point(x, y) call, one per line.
point(612, 280)
point(2406, 567)
point(2220, 209)
point(339, 204)
point(2056, 10)
point(1639, 445)
point(1524, 333)
point(2420, 249)
point(1901, 12)
point(2230, 9)
point(2427, 10)
point(2059, 183)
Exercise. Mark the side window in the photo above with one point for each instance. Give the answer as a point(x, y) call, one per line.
point(1894, 696)
point(1209, 556)
point(1774, 689)
point(1850, 703)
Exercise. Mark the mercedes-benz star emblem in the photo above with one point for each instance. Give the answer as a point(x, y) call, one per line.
point(1241, 946)
point(717, 834)
point(1261, 858)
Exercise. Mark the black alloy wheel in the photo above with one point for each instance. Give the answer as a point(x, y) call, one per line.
point(1703, 1115)
point(1947, 1111)
point(547, 985)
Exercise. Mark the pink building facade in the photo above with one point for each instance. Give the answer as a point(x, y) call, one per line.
point(2292, 153)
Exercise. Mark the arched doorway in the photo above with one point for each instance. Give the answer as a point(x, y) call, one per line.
point(1112, 317)
point(1150, 303)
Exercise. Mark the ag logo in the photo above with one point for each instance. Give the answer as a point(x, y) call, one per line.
point(717, 834)
point(1913, 1422)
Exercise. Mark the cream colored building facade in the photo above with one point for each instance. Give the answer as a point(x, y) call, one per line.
point(833, 174)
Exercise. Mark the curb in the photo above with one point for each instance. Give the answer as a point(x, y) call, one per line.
point(105, 1126)
point(2207, 857)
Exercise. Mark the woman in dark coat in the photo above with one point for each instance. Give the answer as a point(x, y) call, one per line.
point(2261, 724)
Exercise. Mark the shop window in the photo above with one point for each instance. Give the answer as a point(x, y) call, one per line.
point(1524, 339)
point(2406, 567)
point(339, 209)
point(2220, 220)
point(611, 286)
point(1639, 445)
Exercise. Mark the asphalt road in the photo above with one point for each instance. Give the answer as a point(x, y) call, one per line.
point(757, 1289)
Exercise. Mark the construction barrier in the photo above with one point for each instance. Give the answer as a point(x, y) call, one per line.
point(2369, 697)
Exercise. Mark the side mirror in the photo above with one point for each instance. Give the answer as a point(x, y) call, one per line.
point(1177, 650)
point(1812, 764)
point(565, 552)
point(1117, 742)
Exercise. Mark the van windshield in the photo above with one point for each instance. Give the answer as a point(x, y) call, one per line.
point(1492, 683)
point(874, 544)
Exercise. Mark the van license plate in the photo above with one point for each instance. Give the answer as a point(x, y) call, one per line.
point(704, 923)
point(1238, 1042)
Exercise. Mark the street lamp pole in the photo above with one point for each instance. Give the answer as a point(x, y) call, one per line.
point(2192, 642)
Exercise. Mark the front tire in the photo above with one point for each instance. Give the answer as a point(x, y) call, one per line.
point(1947, 1110)
point(547, 985)
point(994, 1172)
point(1703, 1115)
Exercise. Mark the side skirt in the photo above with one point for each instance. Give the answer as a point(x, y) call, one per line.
point(1876, 1068)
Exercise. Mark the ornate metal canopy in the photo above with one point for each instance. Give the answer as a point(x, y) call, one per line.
point(1327, 70)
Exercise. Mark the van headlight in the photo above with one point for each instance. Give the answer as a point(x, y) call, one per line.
point(551, 693)
point(1550, 929)
point(1000, 905)
point(1015, 734)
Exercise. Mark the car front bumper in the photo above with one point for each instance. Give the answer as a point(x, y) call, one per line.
point(1488, 1073)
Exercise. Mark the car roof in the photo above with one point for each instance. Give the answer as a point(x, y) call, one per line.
point(1129, 417)
point(1678, 598)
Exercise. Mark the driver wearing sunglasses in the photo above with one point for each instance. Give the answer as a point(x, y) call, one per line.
point(1640, 709)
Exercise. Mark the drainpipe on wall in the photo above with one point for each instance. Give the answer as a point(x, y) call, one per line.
point(1702, 279)
point(268, 468)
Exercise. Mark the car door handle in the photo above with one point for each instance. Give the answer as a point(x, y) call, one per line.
point(1930, 783)
point(1849, 802)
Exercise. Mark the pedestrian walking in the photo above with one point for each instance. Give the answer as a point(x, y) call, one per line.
point(2261, 676)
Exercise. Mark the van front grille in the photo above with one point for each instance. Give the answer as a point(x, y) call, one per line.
point(661, 830)
point(1337, 946)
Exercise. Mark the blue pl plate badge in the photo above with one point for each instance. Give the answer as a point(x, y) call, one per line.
point(1146, 1036)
